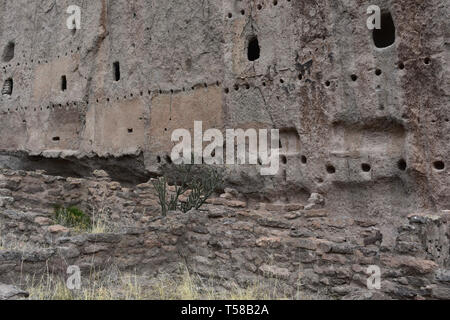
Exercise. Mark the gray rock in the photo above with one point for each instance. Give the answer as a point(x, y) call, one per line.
point(8, 292)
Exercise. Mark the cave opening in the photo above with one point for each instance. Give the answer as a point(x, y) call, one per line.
point(8, 87)
point(439, 165)
point(116, 70)
point(63, 83)
point(331, 169)
point(401, 164)
point(254, 50)
point(385, 36)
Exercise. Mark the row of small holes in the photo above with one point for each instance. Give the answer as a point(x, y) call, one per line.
point(378, 72)
point(401, 164)
point(141, 93)
point(275, 3)
point(236, 87)
point(38, 61)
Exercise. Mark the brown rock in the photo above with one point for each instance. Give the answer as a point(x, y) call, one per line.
point(43, 221)
point(58, 229)
point(315, 213)
point(94, 248)
point(269, 242)
point(293, 207)
point(274, 271)
point(413, 264)
point(236, 204)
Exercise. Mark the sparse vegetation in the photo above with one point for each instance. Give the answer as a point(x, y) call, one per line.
point(79, 221)
point(202, 187)
point(112, 284)
point(199, 182)
point(72, 217)
point(99, 225)
point(166, 203)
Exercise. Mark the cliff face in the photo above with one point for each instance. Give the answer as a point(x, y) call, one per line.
point(363, 118)
point(363, 115)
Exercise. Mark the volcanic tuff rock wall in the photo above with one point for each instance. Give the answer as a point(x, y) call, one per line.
point(363, 115)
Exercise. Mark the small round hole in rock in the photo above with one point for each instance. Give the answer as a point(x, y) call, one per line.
point(401, 164)
point(283, 159)
point(304, 159)
point(366, 167)
point(354, 77)
point(378, 72)
point(439, 165)
point(331, 169)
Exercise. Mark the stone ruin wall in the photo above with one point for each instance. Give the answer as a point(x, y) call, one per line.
point(306, 250)
point(365, 127)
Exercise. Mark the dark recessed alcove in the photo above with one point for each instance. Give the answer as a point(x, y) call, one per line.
point(116, 71)
point(8, 87)
point(331, 169)
point(366, 167)
point(63, 83)
point(439, 165)
point(385, 36)
point(253, 50)
point(401, 164)
point(8, 53)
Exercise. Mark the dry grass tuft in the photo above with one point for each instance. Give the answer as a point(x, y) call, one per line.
point(113, 284)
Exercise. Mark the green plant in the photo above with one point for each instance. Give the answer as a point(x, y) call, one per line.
point(202, 187)
point(72, 217)
point(160, 185)
point(202, 181)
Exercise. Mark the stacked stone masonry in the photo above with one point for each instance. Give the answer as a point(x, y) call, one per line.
point(303, 246)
